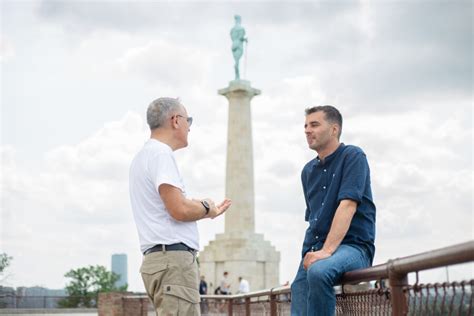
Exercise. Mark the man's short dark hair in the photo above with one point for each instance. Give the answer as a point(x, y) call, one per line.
point(331, 113)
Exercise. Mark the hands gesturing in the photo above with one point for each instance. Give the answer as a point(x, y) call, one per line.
point(219, 209)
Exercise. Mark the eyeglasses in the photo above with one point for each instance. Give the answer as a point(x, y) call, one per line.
point(189, 119)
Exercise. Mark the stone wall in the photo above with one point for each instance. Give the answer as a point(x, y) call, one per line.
point(135, 306)
point(122, 304)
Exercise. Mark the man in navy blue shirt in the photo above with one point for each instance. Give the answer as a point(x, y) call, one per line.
point(340, 211)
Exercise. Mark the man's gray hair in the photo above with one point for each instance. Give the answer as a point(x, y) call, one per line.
point(159, 111)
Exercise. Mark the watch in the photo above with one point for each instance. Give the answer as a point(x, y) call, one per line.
point(206, 206)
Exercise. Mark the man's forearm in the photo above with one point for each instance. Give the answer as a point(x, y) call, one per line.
point(193, 210)
point(340, 225)
point(186, 210)
point(178, 206)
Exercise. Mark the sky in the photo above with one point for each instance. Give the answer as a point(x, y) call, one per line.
point(77, 77)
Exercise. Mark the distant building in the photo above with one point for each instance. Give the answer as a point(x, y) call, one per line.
point(30, 297)
point(7, 297)
point(119, 266)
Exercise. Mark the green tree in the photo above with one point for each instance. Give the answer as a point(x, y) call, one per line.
point(86, 284)
point(4, 261)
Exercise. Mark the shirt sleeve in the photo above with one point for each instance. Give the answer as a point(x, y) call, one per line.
point(163, 170)
point(303, 182)
point(354, 177)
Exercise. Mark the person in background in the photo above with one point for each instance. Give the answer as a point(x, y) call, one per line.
point(225, 285)
point(244, 286)
point(203, 286)
point(203, 291)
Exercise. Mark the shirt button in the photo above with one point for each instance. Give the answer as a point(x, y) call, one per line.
point(316, 237)
point(322, 203)
point(324, 170)
point(324, 187)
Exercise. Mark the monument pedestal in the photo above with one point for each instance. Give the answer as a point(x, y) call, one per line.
point(240, 251)
point(249, 256)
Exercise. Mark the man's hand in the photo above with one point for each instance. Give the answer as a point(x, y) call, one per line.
point(217, 210)
point(312, 257)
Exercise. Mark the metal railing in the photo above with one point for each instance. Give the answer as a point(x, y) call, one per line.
point(398, 297)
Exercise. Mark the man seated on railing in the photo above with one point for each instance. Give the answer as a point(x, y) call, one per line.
point(340, 212)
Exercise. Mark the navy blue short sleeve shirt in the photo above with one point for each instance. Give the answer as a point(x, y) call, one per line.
point(344, 174)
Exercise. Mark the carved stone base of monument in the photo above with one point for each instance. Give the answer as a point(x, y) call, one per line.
point(247, 255)
point(240, 251)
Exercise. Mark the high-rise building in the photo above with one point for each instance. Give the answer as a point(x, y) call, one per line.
point(119, 266)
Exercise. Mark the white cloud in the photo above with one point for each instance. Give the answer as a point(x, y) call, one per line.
point(167, 63)
point(7, 50)
point(75, 202)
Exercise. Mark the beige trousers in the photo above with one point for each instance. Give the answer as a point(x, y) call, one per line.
point(172, 282)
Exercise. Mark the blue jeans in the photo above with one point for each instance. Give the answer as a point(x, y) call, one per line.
point(312, 291)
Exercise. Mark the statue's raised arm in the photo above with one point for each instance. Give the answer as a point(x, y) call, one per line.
point(237, 34)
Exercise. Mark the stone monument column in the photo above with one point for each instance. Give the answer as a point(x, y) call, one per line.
point(240, 251)
point(239, 170)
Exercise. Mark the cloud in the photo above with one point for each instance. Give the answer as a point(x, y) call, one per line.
point(91, 16)
point(7, 50)
point(136, 16)
point(420, 173)
point(75, 201)
point(167, 63)
point(369, 64)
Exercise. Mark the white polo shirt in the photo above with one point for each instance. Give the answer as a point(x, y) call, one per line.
point(154, 165)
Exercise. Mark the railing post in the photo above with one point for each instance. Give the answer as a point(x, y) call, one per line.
point(397, 282)
point(229, 308)
point(273, 305)
point(247, 306)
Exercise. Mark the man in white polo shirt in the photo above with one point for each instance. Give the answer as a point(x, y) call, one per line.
point(165, 218)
